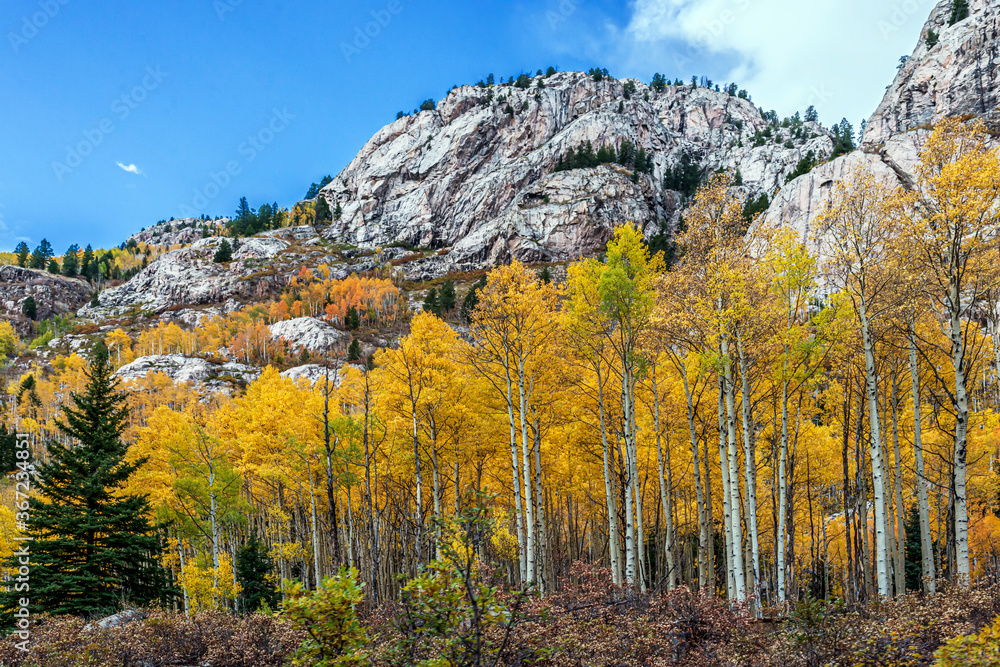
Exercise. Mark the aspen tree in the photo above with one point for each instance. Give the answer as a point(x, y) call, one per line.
point(951, 235)
point(857, 228)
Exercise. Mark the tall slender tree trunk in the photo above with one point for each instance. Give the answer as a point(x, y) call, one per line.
point(663, 460)
point(522, 547)
point(726, 495)
point(734, 478)
point(781, 553)
point(703, 527)
point(962, 570)
point(900, 562)
point(614, 547)
point(878, 468)
point(531, 557)
point(750, 469)
point(929, 576)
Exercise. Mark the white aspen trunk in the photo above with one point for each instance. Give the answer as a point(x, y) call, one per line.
point(726, 497)
point(734, 479)
point(923, 506)
point(531, 558)
point(629, 518)
point(632, 445)
point(898, 488)
point(213, 514)
point(665, 497)
point(516, 477)
point(540, 500)
point(315, 534)
point(995, 339)
point(781, 540)
point(703, 563)
point(613, 545)
point(961, 431)
point(750, 470)
point(350, 529)
point(187, 601)
point(436, 478)
point(419, 518)
point(878, 469)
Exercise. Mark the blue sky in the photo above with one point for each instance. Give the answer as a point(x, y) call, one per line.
point(117, 114)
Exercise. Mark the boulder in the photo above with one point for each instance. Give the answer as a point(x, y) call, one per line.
point(204, 375)
point(310, 333)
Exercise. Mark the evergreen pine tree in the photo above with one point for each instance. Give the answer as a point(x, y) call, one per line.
point(912, 554)
point(446, 297)
point(29, 308)
point(93, 548)
point(472, 298)
point(87, 263)
point(323, 213)
point(337, 212)
point(53, 266)
point(40, 257)
point(545, 275)
point(354, 351)
point(353, 319)
point(959, 11)
point(8, 449)
point(254, 568)
point(71, 261)
point(22, 253)
point(224, 253)
point(431, 302)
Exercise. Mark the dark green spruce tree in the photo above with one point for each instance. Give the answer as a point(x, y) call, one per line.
point(254, 568)
point(93, 550)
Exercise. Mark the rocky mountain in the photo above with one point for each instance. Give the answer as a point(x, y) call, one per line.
point(953, 72)
point(53, 294)
point(183, 231)
point(477, 174)
point(475, 180)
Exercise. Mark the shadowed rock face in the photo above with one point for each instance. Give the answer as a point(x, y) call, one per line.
point(53, 294)
point(475, 178)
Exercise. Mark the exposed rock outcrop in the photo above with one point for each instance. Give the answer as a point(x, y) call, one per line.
point(956, 76)
point(201, 373)
point(53, 294)
point(189, 276)
point(310, 333)
point(476, 174)
point(184, 231)
point(959, 74)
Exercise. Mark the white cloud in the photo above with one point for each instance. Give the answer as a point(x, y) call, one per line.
point(787, 54)
point(131, 168)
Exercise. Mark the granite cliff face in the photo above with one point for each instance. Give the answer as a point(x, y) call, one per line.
point(473, 182)
point(53, 294)
point(955, 76)
point(477, 174)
